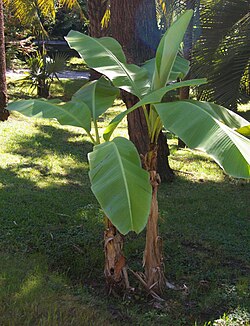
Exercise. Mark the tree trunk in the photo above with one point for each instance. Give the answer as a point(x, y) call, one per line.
point(43, 88)
point(137, 127)
point(134, 26)
point(4, 114)
point(115, 269)
point(96, 11)
point(187, 53)
point(163, 167)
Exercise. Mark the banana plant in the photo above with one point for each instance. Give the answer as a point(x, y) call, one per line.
point(126, 192)
point(201, 125)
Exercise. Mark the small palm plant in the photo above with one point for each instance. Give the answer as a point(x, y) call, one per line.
point(126, 191)
point(43, 70)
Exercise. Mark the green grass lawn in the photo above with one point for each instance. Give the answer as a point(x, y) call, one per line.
point(51, 238)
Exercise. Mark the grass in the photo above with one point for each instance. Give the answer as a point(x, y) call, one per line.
point(52, 228)
point(32, 295)
point(77, 64)
point(63, 89)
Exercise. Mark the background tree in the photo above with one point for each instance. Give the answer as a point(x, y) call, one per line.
point(67, 19)
point(3, 85)
point(138, 33)
point(222, 53)
point(34, 13)
point(221, 47)
point(31, 13)
point(96, 12)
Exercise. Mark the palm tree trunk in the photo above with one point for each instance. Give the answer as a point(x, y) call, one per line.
point(96, 11)
point(3, 84)
point(134, 26)
point(188, 45)
point(43, 88)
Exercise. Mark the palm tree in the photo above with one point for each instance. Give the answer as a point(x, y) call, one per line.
point(33, 12)
point(139, 36)
point(96, 12)
point(28, 12)
point(222, 53)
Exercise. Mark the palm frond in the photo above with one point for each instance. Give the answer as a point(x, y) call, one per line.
point(47, 8)
point(222, 52)
point(30, 12)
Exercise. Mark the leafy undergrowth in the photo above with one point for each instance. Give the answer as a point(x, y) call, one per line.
point(51, 238)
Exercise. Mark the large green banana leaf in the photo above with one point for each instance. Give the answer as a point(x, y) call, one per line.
point(198, 128)
point(120, 184)
point(168, 49)
point(72, 113)
point(105, 55)
point(228, 117)
point(99, 95)
point(180, 68)
point(151, 98)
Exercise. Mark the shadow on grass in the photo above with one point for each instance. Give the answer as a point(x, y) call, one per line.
point(71, 86)
point(63, 89)
point(206, 230)
point(61, 220)
point(54, 140)
point(31, 294)
point(188, 157)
